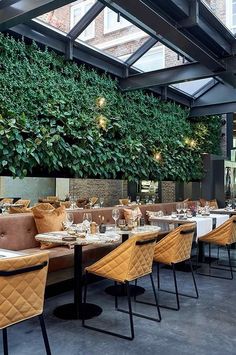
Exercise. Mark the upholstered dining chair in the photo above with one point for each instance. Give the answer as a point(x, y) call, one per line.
point(124, 201)
point(131, 260)
point(6, 200)
point(22, 287)
point(24, 203)
point(171, 250)
point(222, 236)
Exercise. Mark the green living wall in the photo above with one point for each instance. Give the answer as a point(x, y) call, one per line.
point(51, 123)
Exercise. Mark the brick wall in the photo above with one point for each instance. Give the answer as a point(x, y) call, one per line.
point(110, 190)
point(168, 191)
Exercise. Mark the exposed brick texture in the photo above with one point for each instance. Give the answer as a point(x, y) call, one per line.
point(110, 190)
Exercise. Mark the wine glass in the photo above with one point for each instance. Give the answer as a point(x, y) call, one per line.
point(69, 219)
point(101, 201)
point(115, 215)
point(146, 199)
point(138, 199)
point(229, 204)
point(178, 208)
point(87, 219)
point(153, 199)
point(185, 207)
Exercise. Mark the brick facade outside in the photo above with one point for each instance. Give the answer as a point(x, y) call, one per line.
point(110, 190)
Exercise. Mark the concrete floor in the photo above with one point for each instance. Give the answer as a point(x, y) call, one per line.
point(206, 326)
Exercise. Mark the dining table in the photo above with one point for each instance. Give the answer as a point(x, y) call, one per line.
point(77, 309)
point(204, 223)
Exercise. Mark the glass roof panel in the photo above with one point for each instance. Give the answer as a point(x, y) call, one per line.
point(112, 34)
point(193, 86)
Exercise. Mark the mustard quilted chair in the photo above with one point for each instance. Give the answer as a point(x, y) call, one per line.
point(131, 260)
point(124, 201)
point(22, 281)
point(175, 248)
point(222, 236)
point(6, 200)
point(24, 203)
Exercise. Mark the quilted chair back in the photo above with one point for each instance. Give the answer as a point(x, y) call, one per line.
point(7, 200)
point(225, 234)
point(25, 203)
point(124, 201)
point(132, 259)
point(176, 246)
point(22, 287)
point(93, 200)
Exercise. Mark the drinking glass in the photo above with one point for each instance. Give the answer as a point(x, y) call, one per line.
point(69, 219)
point(115, 215)
point(138, 199)
point(101, 201)
point(87, 217)
point(178, 208)
point(229, 204)
point(185, 207)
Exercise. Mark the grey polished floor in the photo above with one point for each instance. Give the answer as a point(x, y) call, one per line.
point(206, 326)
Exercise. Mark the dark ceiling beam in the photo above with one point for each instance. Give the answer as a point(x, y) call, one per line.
point(141, 51)
point(5, 3)
point(216, 109)
point(55, 40)
point(165, 77)
point(59, 43)
point(144, 27)
point(217, 100)
point(24, 10)
point(90, 15)
point(141, 13)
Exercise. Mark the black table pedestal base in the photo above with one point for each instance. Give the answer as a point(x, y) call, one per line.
point(67, 311)
point(120, 290)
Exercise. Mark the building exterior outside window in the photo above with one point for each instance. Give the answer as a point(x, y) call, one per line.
point(231, 15)
point(111, 22)
point(77, 12)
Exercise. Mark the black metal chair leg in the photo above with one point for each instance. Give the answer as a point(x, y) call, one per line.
point(194, 280)
point(209, 261)
point(5, 342)
point(155, 296)
point(176, 287)
point(85, 294)
point(116, 297)
point(135, 295)
point(230, 264)
point(130, 311)
point(44, 332)
point(158, 276)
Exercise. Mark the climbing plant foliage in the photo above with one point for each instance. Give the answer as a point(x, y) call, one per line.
point(50, 123)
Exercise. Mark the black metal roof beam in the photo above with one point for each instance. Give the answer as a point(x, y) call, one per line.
point(84, 53)
point(141, 51)
point(24, 10)
point(168, 76)
point(144, 27)
point(5, 3)
point(219, 99)
point(90, 15)
point(141, 13)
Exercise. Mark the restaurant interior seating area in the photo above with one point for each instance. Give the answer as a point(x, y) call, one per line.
point(117, 177)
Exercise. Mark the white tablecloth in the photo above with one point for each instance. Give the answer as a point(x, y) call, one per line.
point(220, 218)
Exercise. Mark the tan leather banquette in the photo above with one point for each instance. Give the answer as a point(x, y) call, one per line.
point(17, 232)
